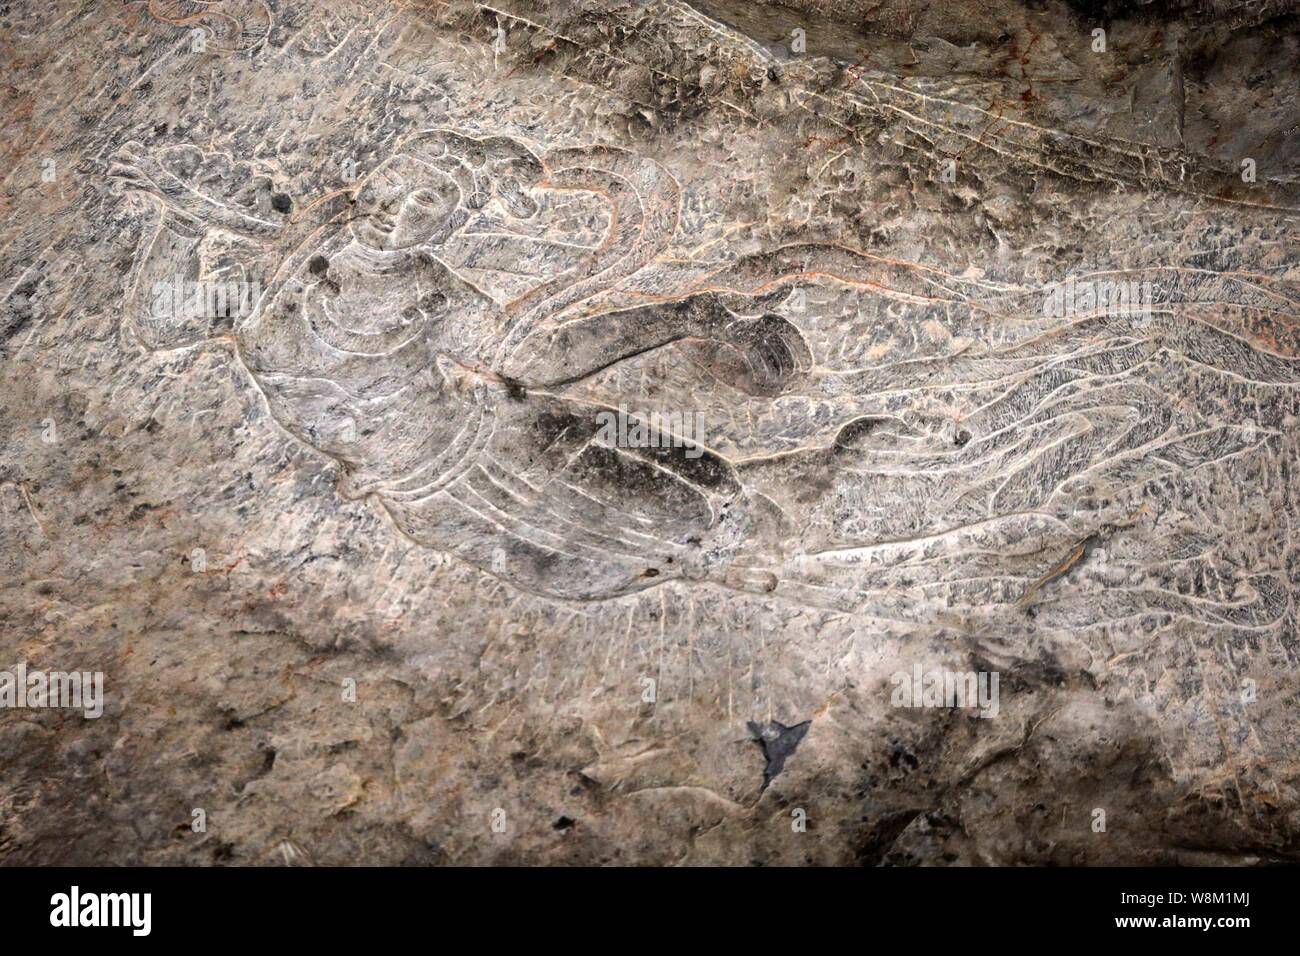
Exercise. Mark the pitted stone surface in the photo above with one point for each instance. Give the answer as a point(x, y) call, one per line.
point(368, 575)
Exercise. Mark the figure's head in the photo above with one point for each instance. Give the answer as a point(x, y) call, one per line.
point(406, 203)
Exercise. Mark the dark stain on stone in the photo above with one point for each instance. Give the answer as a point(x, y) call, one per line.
point(15, 325)
point(20, 309)
point(223, 852)
point(705, 471)
point(280, 202)
point(549, 427)
point(873, 843)
point(778, 742)
point(853, 432)
point(515, 390)
point(900, 758)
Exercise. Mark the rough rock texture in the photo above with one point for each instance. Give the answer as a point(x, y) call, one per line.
point(472, 232)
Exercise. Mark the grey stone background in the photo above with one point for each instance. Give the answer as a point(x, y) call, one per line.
point(1101, 511)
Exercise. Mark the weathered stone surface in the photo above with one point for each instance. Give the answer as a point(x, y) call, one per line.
point(379, 568)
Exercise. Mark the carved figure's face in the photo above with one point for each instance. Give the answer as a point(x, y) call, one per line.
point(405, 203)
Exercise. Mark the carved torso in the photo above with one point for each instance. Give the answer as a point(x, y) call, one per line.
point(350, 347)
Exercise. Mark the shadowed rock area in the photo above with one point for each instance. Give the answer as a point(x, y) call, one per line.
point(661, 432)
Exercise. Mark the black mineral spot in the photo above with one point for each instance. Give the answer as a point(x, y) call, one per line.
point(514, 388)
point(280, 202)
point(140, 510)
point(855, 430)
point(564, 823)
point(901, 759)
point(317, 265)
point(778, 742)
